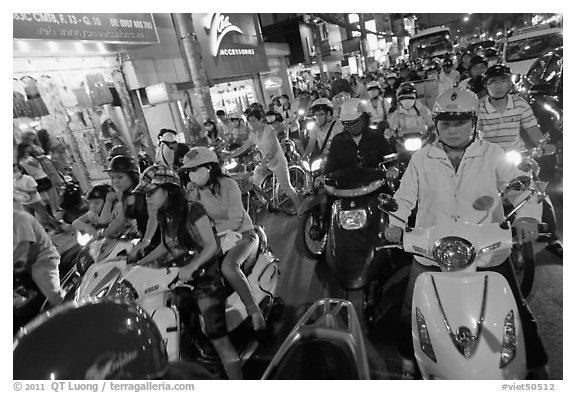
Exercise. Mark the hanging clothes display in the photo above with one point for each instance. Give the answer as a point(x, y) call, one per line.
point(20, 105)
point(36, 102)
point(99, 91)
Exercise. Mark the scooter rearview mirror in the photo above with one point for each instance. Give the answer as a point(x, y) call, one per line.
point(521, 183)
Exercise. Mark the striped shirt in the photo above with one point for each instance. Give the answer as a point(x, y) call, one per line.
point(504, 128)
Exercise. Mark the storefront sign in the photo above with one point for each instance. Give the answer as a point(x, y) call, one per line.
point(272, 82)
point(231, 44)
point(134, 28)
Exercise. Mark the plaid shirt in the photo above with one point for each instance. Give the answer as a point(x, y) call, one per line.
point(504, 128)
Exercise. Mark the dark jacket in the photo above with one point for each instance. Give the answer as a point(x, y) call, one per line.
point(345, 153)
point(181, 151)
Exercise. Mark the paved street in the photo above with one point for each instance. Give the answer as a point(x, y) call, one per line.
point(302, 283)
point(304, 280)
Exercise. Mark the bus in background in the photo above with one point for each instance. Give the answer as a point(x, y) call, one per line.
point(430, 43)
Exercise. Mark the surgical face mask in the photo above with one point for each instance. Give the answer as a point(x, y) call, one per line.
point(407, 103)
point(200, 176)
point(492, 62)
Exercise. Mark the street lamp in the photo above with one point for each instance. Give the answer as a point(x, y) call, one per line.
point(466, 19)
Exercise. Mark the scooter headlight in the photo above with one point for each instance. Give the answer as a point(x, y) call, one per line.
point(317, 164)
point(85, 260)
point(508, 351)
point(514, 157)
point(310, 125)
point(413, 144)
point(125, 292)
point(423, 336)
point(231, 164)
point(453, 253)
point(353, 219)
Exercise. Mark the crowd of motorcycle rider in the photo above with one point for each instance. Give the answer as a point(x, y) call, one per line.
point(185, 199)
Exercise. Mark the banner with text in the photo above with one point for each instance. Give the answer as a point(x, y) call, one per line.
point(113, 28)
point(231, 44)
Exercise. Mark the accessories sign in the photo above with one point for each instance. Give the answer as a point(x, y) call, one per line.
point(231, 44)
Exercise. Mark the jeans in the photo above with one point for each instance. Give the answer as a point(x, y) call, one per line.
point(233, 273)
point(282, 175)
point(535, 354)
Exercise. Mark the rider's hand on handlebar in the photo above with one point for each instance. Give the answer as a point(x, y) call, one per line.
point(526, 229)
point(138, 249)
point(392, 173)
point(529, 165)
point(393, 234)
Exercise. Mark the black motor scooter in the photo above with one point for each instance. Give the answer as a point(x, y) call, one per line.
point(373, 279)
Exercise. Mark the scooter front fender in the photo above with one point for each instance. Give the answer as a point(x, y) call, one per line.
point(313, 201)
point(463, 315)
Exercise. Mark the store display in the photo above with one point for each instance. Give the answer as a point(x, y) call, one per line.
point(36, 102)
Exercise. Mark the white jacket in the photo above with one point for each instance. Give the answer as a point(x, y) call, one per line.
point(443, 195)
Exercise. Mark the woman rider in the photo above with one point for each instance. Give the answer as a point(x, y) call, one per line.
point(186, 229)
point(220, 196)
point(123, 172)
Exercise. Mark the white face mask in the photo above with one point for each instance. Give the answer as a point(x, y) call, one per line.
point(200, 176)
point(492, 62)
point(407, 104)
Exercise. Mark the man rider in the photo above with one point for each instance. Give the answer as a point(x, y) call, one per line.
point(358, 145)
point(170, 152)
point(377, 105)
point(477, 67)
point(325, 128)
point(444, 180)
point(505, 119)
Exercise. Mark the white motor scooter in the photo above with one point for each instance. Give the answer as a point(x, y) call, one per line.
point(154, 289)
point(102, 250)
point(465, 322)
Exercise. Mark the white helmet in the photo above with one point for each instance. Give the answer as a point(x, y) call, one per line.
point(373, 85)
point(322, 104)
point(352, 109)
point(455, 103)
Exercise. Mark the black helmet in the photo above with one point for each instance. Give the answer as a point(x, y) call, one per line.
point(90, 339)
point(495, 71)
point(477, 60)
point(99, 191)
point(273, 114)
point(490, 52)
point(406, 89)
point(118, 150)
point(123, 164)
